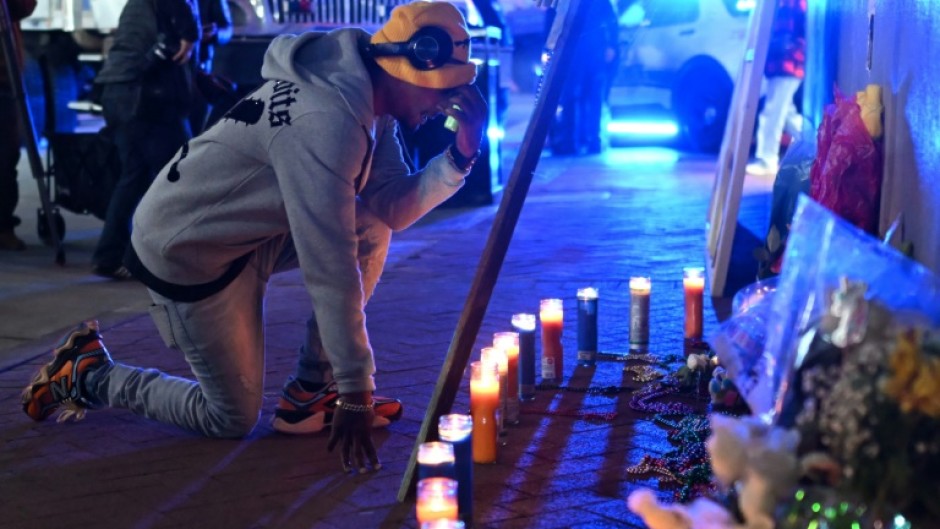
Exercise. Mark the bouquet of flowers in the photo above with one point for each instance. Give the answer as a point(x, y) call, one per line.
point(866, 403)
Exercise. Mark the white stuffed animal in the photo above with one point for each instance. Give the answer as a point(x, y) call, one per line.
point(727, 446)
point(700, 514)
point(760, 461)
point(772, 473)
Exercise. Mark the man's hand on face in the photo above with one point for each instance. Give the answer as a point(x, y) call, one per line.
point(471, 117)
point(352, 430)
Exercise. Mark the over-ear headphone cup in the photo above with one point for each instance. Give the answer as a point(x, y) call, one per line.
point(428, 49)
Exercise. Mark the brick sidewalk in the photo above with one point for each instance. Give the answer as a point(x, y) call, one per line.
point(587, 221)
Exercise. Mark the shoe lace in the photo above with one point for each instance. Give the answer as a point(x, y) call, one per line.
point(70, 410)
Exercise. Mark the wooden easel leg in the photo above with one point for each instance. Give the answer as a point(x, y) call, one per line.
point(569, 22)
point(729, 176)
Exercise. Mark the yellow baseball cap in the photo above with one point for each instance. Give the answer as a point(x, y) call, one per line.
point(408, 19)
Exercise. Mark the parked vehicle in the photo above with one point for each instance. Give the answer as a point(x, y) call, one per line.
point(683, 55)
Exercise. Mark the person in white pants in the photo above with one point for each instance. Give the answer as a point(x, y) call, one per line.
point(784, 72)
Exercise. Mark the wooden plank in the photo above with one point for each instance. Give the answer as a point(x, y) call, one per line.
point(497, 244)
point(730, 171)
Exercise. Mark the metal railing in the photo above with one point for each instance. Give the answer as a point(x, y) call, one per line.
point(355, 12)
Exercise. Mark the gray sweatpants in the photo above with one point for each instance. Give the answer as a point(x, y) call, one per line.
point(222, 338)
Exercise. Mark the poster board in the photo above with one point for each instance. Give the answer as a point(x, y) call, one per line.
point(730, 171)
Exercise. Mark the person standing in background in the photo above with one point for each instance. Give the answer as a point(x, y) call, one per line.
point(578, 130)
point(154, 41)
point(784, 72)
point(216, 31)
point(10, 132)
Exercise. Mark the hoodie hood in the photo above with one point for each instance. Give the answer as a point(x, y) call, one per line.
point(329, 61)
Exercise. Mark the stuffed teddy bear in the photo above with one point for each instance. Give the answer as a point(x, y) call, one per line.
point(759, 460)
point(700, 514)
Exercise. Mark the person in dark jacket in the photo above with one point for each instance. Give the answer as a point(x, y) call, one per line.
point(784, 72)
point(10, 132)
point(216, 31)
point(578, 130)
point(153, 44)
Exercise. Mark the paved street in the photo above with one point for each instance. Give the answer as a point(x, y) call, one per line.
point(590, 221)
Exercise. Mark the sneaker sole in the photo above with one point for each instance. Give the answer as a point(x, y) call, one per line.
point(316, 423)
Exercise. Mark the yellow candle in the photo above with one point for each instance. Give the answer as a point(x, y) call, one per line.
point(437, 500)
point(509, 343)
point(484, 401)
point(498, 356)
point(693, 283)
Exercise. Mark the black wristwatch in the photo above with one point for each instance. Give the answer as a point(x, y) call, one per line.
point(459, 161)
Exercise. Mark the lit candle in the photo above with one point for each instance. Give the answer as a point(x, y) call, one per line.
point(693, 283)
point(457, 430)
point(587, 326)
point(484, 402)
point(640, 288)
point(551, 313)
point(498, 356)
point(436, 460)
point(509, 343)
point(524, 324)
point(437, 500)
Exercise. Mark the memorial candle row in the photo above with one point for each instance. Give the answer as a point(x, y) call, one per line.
point(523, 363)
point(505, 374)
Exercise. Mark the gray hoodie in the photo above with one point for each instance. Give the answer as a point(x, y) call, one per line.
point(292, 157)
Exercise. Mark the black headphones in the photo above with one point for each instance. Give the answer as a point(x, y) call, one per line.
point(428, 49)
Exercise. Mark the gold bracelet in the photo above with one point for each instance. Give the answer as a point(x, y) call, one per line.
point(457, 159)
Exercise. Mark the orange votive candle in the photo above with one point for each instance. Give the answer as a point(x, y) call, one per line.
point(509, 343)
point(693, 283)
point(551, 314)
point(484, 403)
point(437, 500)
point(498, 357)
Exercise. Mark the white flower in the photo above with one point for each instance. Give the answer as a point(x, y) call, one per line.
point(697, 361)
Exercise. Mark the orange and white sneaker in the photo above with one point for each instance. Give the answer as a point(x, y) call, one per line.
point(301, 412)
point(60, 382)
